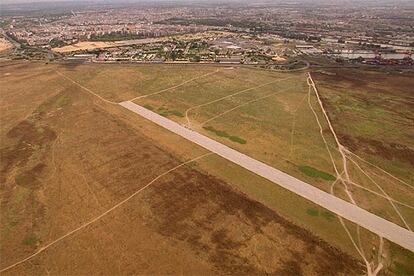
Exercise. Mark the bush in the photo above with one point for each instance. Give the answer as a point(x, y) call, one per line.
point(312, 172)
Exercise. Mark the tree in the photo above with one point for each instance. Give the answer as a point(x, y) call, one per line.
point(56, 42)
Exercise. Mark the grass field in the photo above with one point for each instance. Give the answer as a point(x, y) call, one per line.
point(373, 112)
point(70, 156)
point(273, 113)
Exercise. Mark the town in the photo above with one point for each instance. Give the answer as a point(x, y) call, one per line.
point(267, 35)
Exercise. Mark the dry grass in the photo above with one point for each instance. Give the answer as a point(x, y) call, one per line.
point(67, 157)
point(373, 114)
point(277, 117)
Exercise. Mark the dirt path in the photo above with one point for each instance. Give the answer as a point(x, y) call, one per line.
point(358, 247)
point(241, 105)
point(385, 195)
point(380, 169)
point(380, 195)
point(340, 146)
point(116, 206)
point(175, 86)
point(338, 175)
point(85, 88)
point(187, 112)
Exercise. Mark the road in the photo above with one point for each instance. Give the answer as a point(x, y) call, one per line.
point(373, 223)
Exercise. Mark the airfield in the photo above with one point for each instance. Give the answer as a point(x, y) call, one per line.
point(91, 187)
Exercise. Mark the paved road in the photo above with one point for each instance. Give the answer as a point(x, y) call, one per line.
point(375, 224)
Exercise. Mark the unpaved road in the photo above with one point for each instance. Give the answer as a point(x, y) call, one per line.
point(373, 223)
